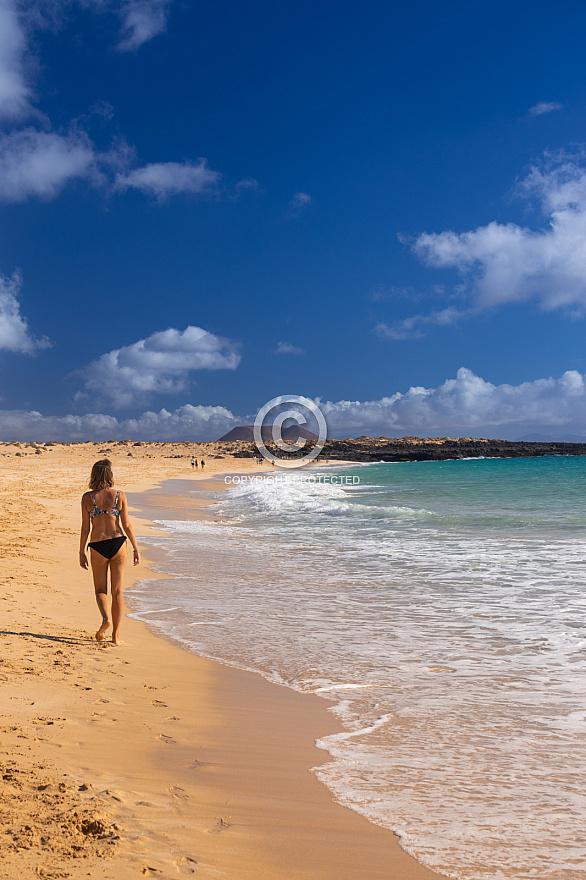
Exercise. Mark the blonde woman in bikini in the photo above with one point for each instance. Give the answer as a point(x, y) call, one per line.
point(104, 509)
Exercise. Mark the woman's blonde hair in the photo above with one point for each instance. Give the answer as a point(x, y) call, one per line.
point(101, 476)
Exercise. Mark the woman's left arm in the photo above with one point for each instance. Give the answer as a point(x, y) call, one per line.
point(127, 526)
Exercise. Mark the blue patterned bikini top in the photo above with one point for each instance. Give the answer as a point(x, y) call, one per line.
point(113, 510)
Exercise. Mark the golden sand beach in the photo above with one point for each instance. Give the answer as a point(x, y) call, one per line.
point(145, 760)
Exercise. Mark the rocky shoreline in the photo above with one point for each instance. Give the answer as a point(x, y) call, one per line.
point(442, 448)
point(365, 449)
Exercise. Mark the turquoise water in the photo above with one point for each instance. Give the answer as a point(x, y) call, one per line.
point(441, 606)
point(532, 493)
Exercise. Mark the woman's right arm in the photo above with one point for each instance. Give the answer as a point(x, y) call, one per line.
point(126, 525)
point(85, 532)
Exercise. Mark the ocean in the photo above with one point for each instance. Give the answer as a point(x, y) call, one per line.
point(441, 606)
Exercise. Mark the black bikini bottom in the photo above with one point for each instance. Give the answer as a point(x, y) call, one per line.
point(108, 548)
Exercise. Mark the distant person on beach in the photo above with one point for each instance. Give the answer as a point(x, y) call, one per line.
point(202, 464)
point(193, 463)
point(104, 509)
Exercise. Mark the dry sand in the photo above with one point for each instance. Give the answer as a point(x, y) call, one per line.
point(146, 760)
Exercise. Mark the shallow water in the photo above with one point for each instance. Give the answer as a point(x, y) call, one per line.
point(441, 605)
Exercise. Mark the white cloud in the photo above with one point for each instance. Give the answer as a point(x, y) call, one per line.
point(185, 423)
point(247, 184)
point(413, 327)
point(40, 164)
point(466, 406)
point(14, 90)
point(141, 21)
point(14, 332)
point(162, 179)
point(299, 201)
point(160, 364)
point(36, 162)
point(544, 107)
point(503, 263)
point(288, 348)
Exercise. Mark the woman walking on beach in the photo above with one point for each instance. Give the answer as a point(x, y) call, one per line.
point(105, 510)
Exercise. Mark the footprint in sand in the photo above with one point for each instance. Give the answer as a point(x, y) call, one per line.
point(160, 704)
point(177, 792)
point(185, 865)
point(221, 826)
point(166, 739)
point(148, 871)
point(112, 795)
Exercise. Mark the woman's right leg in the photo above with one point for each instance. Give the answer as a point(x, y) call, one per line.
point(100, 573)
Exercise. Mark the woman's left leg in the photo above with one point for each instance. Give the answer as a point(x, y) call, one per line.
point(100, 575)
point(117, 564)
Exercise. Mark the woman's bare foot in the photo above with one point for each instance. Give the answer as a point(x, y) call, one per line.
point(117, 641)
point(101, 633)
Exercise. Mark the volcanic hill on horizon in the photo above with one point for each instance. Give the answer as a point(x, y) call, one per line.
point(289, 435)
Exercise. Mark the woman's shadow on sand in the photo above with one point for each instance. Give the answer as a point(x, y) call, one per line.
point(65, 640)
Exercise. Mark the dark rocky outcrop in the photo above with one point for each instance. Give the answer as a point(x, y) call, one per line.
point(429, 449)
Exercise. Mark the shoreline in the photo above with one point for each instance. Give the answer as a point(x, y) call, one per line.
point(186, 765)
point(327, 724)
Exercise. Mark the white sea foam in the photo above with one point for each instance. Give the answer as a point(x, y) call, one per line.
point(160, 611)
point(443, 610)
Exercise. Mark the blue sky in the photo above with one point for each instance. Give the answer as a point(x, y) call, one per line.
point(379, 206)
